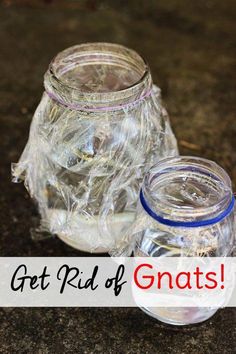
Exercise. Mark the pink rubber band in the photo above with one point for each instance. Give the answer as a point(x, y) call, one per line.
point(112, 108)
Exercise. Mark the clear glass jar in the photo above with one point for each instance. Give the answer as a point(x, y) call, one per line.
point(185, 210)
point(99, 125)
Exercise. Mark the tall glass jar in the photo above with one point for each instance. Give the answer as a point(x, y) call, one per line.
point(99, 126)
point(186, 210)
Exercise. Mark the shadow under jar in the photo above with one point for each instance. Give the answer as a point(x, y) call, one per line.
point(99, 125)
point(185, 210)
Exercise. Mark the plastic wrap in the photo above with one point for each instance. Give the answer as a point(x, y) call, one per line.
point(93, 136)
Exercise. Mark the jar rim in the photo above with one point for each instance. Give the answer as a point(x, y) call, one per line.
point(208, 172)
point(80, 55)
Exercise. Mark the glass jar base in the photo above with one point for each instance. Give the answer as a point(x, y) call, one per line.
point(83, 233)
point(179, 316)
point(80, 246)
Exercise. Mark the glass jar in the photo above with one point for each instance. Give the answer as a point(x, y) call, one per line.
point(185, 210)
point(99, 125)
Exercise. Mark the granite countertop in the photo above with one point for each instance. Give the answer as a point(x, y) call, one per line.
point(190, 48)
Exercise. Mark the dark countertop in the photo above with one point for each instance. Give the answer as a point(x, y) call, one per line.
point(190, 46)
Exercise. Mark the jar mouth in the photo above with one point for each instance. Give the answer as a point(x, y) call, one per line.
point(98, 73)
point(187, 189)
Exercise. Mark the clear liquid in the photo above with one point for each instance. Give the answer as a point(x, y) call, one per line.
point(157, 243)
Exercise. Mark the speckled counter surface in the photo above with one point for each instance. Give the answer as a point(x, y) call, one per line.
point(190, 46)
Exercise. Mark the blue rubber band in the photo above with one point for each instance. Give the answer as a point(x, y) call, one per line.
point(199, 223)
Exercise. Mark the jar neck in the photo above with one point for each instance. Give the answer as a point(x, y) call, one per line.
point(187, 189)
point(97, 76)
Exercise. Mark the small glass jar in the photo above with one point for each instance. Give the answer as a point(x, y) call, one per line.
point(185, 210)
point(99, 125)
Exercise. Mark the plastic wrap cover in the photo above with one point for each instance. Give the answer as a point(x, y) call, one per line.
point(84, 167)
